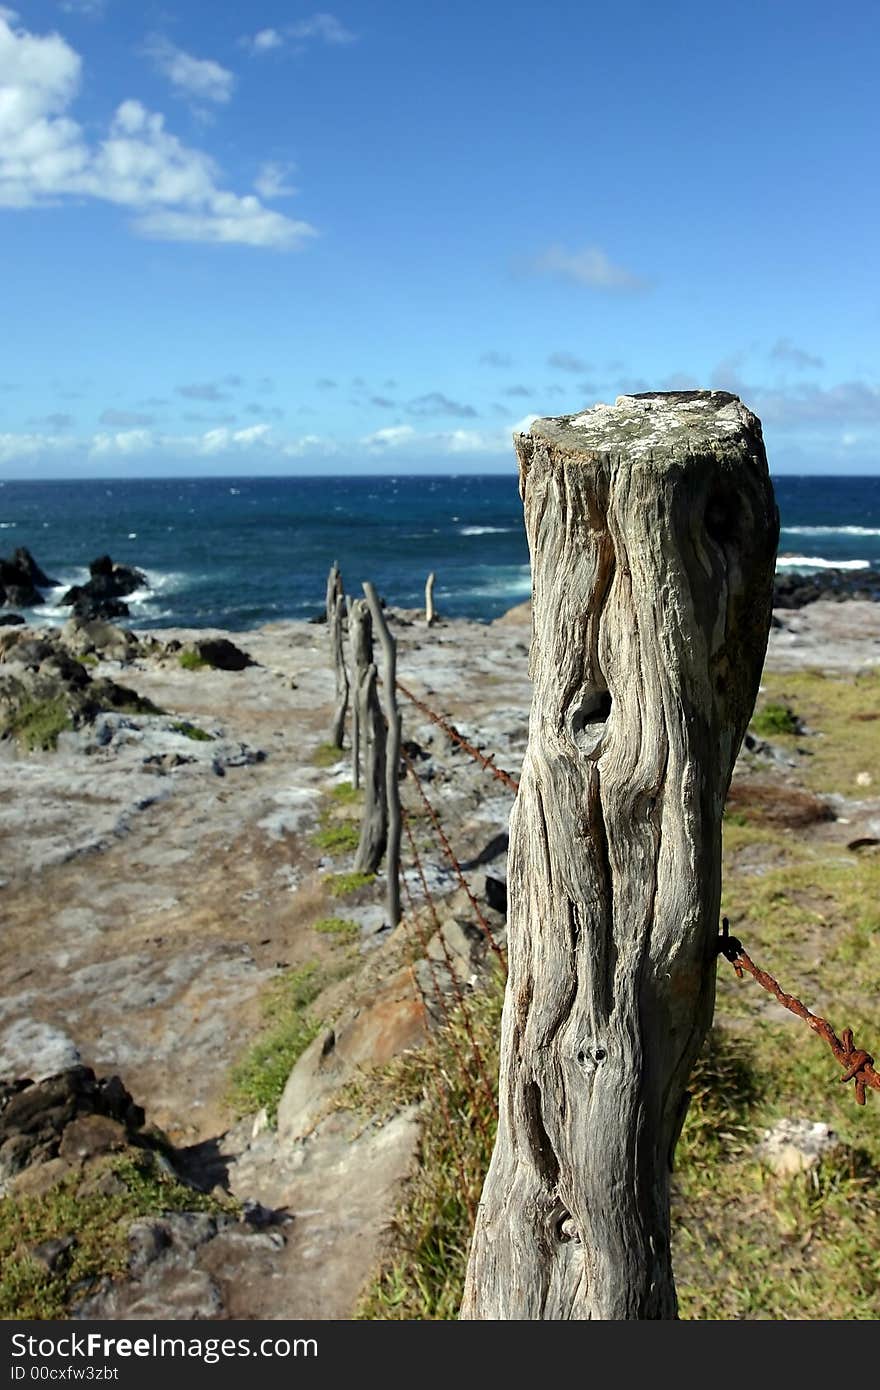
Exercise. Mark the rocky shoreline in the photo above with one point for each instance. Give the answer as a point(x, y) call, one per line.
point(173, 872)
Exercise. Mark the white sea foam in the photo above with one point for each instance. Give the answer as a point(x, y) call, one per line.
point(7, 525)
point(816, 562)
point(831, 530)
point(483, 530)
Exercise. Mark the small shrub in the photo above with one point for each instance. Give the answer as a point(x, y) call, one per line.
point(192, 731)
point(191, 661)
point(36, 724)
point(775, 719)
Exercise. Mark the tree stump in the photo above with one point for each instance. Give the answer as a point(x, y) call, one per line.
point(652, 529)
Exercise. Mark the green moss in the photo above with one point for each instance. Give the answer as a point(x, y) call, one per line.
point(342, 927)
point(192, 661)
point(36, 724)
point(192, 731)
point(88, 659)
point(260, 1077)
point(774, 719)
point(341, 885)
point(98, 1225)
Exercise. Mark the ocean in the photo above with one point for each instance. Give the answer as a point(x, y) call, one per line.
point(236, 553)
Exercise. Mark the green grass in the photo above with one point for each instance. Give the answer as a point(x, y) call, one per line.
point(192, 731)
point(337, 836)
point(260, 1077)
point(422, 1276)
point(772, 719)
point(326, 755)
point(345, 793)
point(98, 1225)
point(841, 715)
point(342, 927)
point(36, 724)
point(342, 885)
point(192, 661)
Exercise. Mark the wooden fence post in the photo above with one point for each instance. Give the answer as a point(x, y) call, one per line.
point(335, 615)
point(430, 614)
point(652, 529)
point(371, 722)
point(360, 652)
point(392, 752)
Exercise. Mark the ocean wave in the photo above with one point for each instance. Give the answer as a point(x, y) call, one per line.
point(483, 530)
point(816, 562)
point(8, 525)
point(831, 530)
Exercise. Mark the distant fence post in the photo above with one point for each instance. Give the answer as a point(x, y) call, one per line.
point(335, 615)
point(430, 614)
point(392, 753)
point(652, 529)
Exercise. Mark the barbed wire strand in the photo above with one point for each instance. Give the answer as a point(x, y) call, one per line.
point(858, 1065)
point(445, 1083)
point(450, 855)
point(459, 995)
point(450, 730)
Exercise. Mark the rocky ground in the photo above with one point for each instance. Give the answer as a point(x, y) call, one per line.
point(160, 875)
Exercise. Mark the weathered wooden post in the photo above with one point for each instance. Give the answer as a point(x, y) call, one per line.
point(335, 616)
point(371, 721)
point(652, 529)
point(430, 613)
point(355, 646)
point(392, 752)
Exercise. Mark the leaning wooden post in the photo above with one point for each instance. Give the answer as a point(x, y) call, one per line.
point(355, 648)
point(392, 752)
point(652, 529)
point(335, 616)
point(371, 722)
point(430, 614)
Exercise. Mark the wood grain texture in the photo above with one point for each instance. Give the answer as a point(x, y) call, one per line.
point(652, 529)
point(371, 734)
point(392, 753)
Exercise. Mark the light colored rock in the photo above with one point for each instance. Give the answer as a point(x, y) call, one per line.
point(796, 1146)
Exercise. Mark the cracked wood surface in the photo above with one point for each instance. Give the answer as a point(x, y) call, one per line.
point(652, 529)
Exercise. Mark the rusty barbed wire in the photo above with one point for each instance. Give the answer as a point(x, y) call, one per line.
point(450, 855)
point(459, 994)
point(450, 730)
point(452, 1130)
point(858, 1065)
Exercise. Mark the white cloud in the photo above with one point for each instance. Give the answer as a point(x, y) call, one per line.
point(271, 181)
point(589, 266)
point(199, 78)
point(172, 189)
point(323, 27)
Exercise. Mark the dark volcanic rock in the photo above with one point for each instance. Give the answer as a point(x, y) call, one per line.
point(10, 619)
point(101, 595)
point(793, 590)
point(25, 562)
point(221, 653)
point(40, 1120)
point(89, 608)
point(20, 580)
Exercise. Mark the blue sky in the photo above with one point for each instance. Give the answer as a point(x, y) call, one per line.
point(382, 237)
